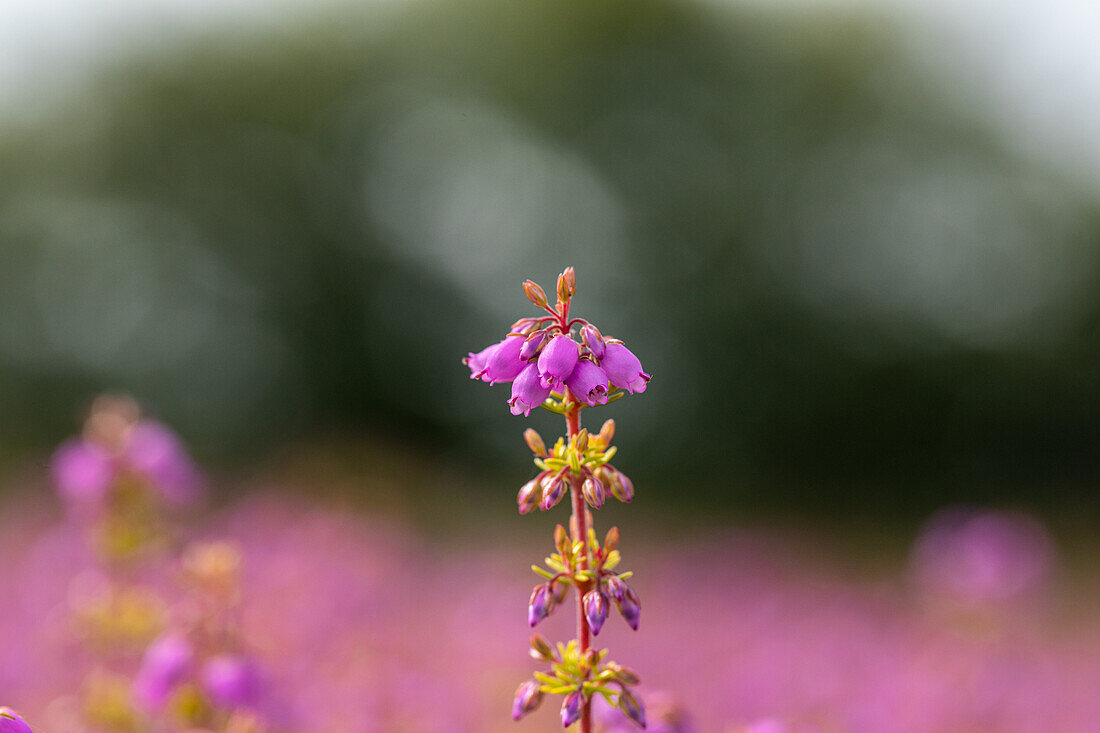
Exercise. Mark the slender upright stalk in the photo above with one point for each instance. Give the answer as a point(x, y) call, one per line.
point(549, 367)
point(580, 534)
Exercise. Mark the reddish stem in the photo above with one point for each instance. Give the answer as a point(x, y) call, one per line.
point(580, 524)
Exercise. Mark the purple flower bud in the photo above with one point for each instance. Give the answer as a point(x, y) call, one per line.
point(593, 339)
point(629, 606)
point(593, 492)
point(231, 681)
point(622, 488)
point(529, 496)
point(615, 588)
point(479, 362)
point(82, 471)
point(531, 345)
point(632, 707)
point(595, 610)
point(527, 393)
point(540, 605)
point(588, 383)
point(166, 663)
point(504, 363)
point(557, 360)
point(12, 722)
point(528, 697)
point(623, 368)
point(572, 708)
point(553, 489)
point(157, 452)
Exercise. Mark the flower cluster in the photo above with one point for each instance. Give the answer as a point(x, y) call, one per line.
point(542, 359)
point(549, 367)
point(118, 447)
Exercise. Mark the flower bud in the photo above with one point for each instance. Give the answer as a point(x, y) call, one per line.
point(531, 345)
point(231, 681)
point(529, 496)
point(572, 708)
point(588, 383)
point(615, 588)
point(595, 610)
point(166, 663)
point(623, 368)
point(534, 442)
point(632, 707)
point(570, 276)
point(553, 489)
point(82, 472)
point(593, 339)
point(558, 589)
point(607, 432)
point(630, 607)
point(528, 697)
point(593, 492)
point(534, 293)
point(541, 649)
point(540, 605)
point(611, 539)
point(527, 393)
point(155, 451)
point(622, 488)
point(561, 540)
point(12, 722)
point(623, 674)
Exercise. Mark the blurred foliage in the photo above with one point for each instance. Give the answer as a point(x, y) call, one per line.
point(848, 292)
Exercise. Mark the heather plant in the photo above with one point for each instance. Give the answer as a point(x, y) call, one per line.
point(565, 365)
point(119, 480)
point(154, 664)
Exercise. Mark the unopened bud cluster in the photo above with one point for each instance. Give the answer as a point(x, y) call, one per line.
point(578, 675)
point(583, 457)
point(565, 365)
point(585, 565)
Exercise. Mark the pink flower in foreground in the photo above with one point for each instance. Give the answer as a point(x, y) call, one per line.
point(167, 663)
point(83, 469)
point(231, 681)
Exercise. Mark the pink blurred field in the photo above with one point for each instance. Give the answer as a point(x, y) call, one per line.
point(367, 625)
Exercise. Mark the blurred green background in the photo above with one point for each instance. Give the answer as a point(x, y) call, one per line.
point(858, 294)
